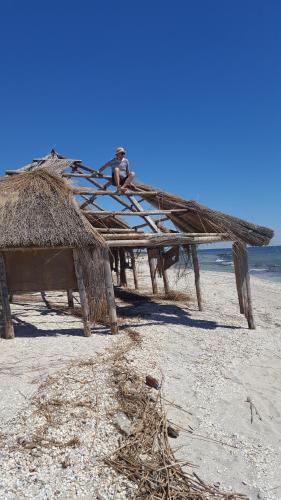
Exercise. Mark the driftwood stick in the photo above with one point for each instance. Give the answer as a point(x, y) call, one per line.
point(8, 332)
point(70, 298)
point(197, 276)
point(152, 260)
point(82, 293)
point(110, 295)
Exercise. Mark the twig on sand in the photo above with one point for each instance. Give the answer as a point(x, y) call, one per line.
point(253, 407)
point(145, 456)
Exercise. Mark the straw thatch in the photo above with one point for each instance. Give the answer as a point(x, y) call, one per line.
point(37, 210)
point(53, 163)
point(200, 219)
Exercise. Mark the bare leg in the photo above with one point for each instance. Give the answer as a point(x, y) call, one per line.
point(128, 182)
point(117, 179)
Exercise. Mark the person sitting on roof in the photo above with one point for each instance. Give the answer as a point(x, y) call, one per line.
point(121, 176)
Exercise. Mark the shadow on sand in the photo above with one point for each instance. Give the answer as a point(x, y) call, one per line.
point(157, 313)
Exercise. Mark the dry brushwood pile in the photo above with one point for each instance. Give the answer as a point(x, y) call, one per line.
point(70, 442)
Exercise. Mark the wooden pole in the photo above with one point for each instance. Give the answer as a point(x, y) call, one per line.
point(82, 293)
point(242, 275)
point(8, 332)
point(236, 262)
point(152, 260)
point(165, 281)
point(249, 310)
point(246, 288)
point(116, 266)
point(197, 276)
point(122, 258)
point(70, 298)
point(110, 295)
point(134, 268)
point(166, 240)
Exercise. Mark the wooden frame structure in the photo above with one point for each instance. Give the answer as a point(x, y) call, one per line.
point(124, 238)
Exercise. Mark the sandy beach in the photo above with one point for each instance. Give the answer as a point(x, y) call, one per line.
point(222, 379)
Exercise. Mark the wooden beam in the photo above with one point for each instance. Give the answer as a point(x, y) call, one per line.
point(161, 242)
point(110, 295)
point(83, 176)
point(139, 214)
point(8, 330)
point(122, 236)
point(82, 293)
point(197, 276)
point(102, 192)
point(116, 230)
point(139, 208)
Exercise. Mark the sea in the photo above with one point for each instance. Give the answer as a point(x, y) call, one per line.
point(264, 262)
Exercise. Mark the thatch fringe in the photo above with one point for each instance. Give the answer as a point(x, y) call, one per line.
point(92, 261)
point(37, 209)
point(200, 219)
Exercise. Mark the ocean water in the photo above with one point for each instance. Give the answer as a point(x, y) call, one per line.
point(264, 262)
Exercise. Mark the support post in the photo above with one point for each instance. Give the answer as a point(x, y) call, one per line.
point(134, 268)
point(8, 332)
point(164, 274)
point(245, 287)
point(236, 262)
point(123, 277)
point(152, 260)
point(82, 294)
point(197, 276)
point(70, 298)
point(116, 265)
point(110, 295)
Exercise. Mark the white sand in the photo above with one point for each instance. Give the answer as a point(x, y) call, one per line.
point(211, 363)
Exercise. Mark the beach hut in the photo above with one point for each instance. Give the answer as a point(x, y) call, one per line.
point(46, 243)
point(162, 223)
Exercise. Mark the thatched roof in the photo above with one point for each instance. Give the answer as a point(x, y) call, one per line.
point(200, 219)
point(37, 209)
point(54, 163)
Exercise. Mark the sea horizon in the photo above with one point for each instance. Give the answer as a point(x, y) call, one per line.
point(264, 262)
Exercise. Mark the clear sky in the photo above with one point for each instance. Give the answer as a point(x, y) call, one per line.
point(192, 89)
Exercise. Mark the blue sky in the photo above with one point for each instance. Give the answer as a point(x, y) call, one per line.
point(190, 88)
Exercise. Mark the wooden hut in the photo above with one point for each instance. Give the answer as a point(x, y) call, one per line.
point(46, 243)
point(165, 223)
